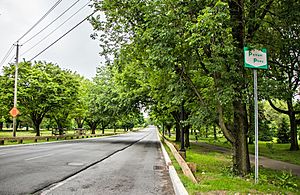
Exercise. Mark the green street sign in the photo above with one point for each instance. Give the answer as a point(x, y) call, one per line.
point(254, 58)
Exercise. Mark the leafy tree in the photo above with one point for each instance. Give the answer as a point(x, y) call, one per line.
point(282, 134)
point(68, 95)
point(80, 109)
point(265, 131)
point(265, 126)
point(104, 89)
point(2, 120)
point(281, 35)
point(92, 118)
point(197, 41)
point(3, 107)
point(40, 90)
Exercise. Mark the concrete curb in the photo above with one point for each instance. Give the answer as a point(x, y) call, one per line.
point(177, 184)
point(183, 164)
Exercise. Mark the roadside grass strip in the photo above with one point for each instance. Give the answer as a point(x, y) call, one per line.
point(215, 176)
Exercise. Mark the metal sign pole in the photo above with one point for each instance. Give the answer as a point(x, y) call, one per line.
point(256, 124)
point(256, 59)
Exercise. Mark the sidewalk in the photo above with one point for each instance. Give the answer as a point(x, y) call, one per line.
point(263, 161)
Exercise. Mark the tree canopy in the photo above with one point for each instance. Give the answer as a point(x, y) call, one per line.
point(185, 58)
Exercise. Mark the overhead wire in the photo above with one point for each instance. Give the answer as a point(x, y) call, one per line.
point(11, 59)
point(44, 38)
point(63, 35)
point(52, 22)
point(7, 55)
point(42, 18)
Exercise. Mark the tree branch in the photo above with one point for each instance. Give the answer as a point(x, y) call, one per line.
point(176, 116)
point(222, 124)
point(277, 109)
point(188, 79)
point(264, 13)
point(201, 63)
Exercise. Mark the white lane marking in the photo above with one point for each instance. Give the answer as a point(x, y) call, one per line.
point(1, 154)
point(57, 185)
point(38, 157)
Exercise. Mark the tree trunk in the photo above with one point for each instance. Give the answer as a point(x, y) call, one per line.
point(61, 131)
point(206, 131)
point(60, 128)
point(215, 132)
point(169, 130)
point(93, 130)
point(79, 122)
point(239, 132)
point(176, 116)
point(293, 126)
point(187, 136)
point(1, 126)
point(241, 161)
point(37, 128)
point(93, 127)
point(177, 130)
point(293, 122)
point(103, 130)
point(18, 124)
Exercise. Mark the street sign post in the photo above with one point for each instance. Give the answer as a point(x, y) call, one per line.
point(256, 59)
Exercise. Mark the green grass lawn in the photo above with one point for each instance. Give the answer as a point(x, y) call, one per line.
point(277, 152)
point(267, 149)
point(23, 133)
point(31, 133)
point(214, 175)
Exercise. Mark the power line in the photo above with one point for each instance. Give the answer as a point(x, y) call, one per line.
point(44, 38)
point(11, 48)
point(63, 35)
point(7, 55)
point(43, 17)
point(52, 22)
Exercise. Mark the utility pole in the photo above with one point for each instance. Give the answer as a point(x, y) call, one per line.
point(15, 91)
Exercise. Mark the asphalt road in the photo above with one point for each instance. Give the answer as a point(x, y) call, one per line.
point(125, 164)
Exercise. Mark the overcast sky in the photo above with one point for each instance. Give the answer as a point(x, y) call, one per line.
point(76, 51)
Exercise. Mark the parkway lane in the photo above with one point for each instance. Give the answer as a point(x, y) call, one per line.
point(130, 163)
